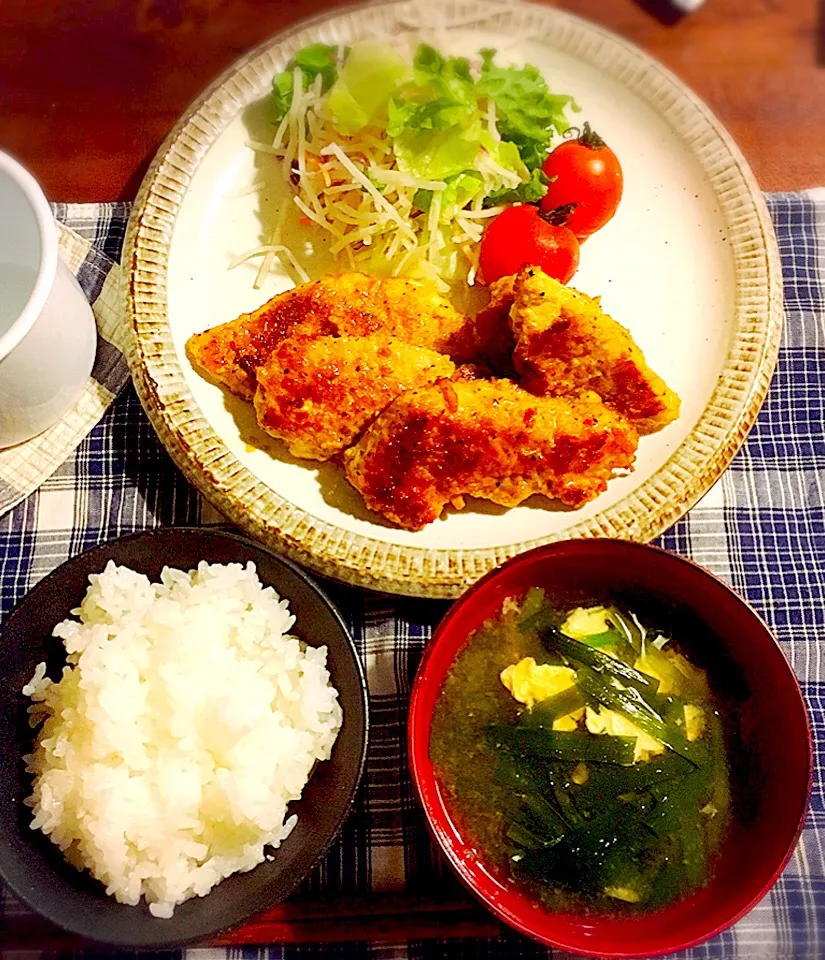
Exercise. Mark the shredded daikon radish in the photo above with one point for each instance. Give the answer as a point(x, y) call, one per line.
point(399, 178)
point(481, 214)
point(268, 252)
point(316, 217)
point(249, 254)
point(432, 227)
point(486, 162)
point(259, 147)
point(363, 180)
point(491, 121)
point(264, 269)
point(364, 235)
point(283, 126)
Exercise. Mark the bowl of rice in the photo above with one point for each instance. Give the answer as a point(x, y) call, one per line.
point(183, 728)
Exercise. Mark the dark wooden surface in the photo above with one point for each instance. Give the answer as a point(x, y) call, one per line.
point(89, 88)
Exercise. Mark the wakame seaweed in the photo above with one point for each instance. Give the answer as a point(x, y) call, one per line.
point(599, 792)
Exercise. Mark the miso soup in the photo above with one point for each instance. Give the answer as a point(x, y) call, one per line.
point(583, 757)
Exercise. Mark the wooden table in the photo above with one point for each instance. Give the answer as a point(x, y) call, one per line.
point(89, 88)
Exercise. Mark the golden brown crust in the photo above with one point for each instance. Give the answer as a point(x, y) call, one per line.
point(489, 439)
point(347, 304)
point(350, 355)
point(566, 343)
point(493, 338)
point(318, 394)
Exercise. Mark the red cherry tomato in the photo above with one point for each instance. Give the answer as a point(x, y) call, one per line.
point(520, 237)
point(585, 176)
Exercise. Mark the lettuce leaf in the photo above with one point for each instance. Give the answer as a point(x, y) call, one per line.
point(506, 154)
point(439, 128)
point(450, 77)
point(370, 75)
point(437, 123)
point(436, 154)
point(434, 119)
point(423, 200)
point(460, 190)
point(528, 114)
point(314, 59)
point(530, 191)
point(440, 96)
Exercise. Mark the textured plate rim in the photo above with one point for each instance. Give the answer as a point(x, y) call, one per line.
point(416, 571)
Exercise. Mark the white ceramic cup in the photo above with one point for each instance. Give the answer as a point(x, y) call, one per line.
point(47, 330)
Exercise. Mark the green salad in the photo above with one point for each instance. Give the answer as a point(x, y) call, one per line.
point(401, 161)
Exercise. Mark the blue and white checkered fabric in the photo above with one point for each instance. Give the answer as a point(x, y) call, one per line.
point(761, 528)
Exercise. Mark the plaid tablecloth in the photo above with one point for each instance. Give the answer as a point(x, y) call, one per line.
point(761, 528)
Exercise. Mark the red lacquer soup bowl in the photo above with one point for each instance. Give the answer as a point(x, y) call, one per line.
point(770, 751)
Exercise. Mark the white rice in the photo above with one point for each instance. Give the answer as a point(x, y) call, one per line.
point(187, 719)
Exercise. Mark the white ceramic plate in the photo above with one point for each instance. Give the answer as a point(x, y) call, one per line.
point(689, 264)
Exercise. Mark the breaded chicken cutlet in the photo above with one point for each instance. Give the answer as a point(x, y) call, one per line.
point(318, 394)
point(489, 439)
point(565, 343)
point(493, 341)
point(346, 304)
